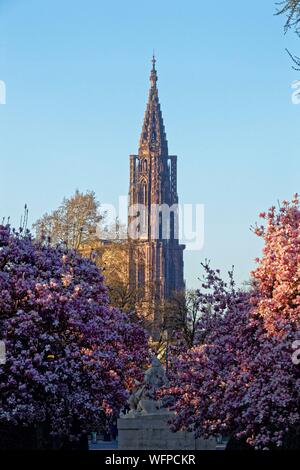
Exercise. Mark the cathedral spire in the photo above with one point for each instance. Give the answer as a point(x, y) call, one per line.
point(155, 254)
point(153, 138)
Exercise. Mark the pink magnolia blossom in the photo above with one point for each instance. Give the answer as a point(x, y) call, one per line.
point(239, 378)
point(70, 356)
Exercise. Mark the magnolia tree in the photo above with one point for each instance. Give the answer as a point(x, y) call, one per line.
point(239, 378)
point(70, 358)
point(278, 273)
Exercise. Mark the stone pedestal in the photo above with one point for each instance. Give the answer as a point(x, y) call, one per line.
point(146, 426)
point(152, 432)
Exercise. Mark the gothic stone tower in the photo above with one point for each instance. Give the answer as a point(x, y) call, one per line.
point(156, 257)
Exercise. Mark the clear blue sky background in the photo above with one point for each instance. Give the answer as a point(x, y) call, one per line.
point(77, 81)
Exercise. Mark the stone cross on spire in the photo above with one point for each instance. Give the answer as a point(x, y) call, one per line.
point(153, 76)
point(153, 60)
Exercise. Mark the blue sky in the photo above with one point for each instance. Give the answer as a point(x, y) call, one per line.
point(77, 77)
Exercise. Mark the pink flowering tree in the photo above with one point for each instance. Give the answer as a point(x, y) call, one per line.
point(239, 378)
point(70, 358)
point(278, 273)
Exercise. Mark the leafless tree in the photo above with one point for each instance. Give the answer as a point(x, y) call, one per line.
point(291, 9)
point(181, 314)
point(73, 224)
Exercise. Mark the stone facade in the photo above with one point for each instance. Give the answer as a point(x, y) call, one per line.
point(156, 256)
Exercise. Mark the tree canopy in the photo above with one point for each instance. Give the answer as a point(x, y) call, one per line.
point(71, 357)
point(239, 379)
point(74, 224)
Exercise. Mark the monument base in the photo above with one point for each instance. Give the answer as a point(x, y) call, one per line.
point(152, 432)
